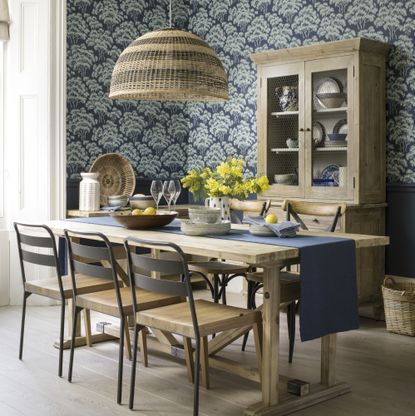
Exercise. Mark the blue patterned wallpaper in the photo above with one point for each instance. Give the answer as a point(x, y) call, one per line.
point(166, 139)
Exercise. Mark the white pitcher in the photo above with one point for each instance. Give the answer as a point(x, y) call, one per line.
point(222, 202)
point(89, 190)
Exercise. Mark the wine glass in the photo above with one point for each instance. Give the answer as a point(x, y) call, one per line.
point(169, 190)
point(178, 186)
point(156, 191)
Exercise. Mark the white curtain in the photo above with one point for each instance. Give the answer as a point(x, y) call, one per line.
point(4, 20)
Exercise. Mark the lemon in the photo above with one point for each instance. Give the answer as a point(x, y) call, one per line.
point(150, 211)
point(138, 195)
point(271, 219)
point(136, 211)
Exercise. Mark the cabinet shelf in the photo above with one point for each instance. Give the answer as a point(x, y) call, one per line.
point(285, 113)
point(331, 110)
point(330, 149)
point(284, 150)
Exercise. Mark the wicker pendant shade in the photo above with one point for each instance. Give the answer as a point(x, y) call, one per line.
point(169, 65)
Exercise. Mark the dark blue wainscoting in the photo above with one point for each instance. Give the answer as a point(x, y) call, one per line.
point(400, 226)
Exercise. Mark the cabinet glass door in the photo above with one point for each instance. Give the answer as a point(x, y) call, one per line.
point(284, 146)
point(329, 137)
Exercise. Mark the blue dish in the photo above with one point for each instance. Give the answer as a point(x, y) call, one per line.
point(324, 182)
point(337, 136)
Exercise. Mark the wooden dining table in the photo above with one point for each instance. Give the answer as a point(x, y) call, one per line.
point(271, 258)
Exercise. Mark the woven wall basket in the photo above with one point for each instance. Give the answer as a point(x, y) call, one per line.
point(169, 65)
point(116, 176)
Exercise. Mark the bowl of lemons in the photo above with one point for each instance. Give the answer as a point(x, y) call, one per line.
point(263, 230)
point(147, 218)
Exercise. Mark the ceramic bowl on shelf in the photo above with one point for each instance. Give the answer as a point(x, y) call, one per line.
point(292, 143)
point(286, 179)
point(141, 222)
point(142, 201)
point(337, 136)
point(331, 99)
point(205, 215)
point(117, 200)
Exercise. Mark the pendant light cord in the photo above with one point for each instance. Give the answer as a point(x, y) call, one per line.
point(170, 14)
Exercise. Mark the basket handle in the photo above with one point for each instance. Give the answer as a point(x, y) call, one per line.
point(389, 282)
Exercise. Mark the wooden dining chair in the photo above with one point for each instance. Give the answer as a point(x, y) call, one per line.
point(289, 280)
point(223, 272)
point(37, 246)
point(99, 262)
point(193, 319)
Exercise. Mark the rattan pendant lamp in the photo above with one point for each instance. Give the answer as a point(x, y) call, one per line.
point(169, 65)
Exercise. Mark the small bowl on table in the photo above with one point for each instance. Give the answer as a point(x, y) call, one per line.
point(260, 230)
point(142, 202)
point(205, 215)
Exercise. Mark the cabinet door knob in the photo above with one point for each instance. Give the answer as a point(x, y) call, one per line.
point(301, 129)
point(308, 129)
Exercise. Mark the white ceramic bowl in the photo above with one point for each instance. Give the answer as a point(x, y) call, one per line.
point(260, 230)
point(331, 100)
point(292, 143)
point(286, 179)
point(117, 200)
point(142, 202)
point(220, 228)
point(204, 215)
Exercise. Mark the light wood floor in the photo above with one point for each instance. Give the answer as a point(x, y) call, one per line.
point(379, 366)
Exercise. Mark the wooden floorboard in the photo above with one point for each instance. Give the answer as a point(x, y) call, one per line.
point(380, 367)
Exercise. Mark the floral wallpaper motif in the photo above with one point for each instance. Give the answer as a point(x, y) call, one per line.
point(166, 139)
point(152, 135)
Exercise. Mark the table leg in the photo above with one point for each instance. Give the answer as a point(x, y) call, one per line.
point(328, 359)
point(271, 329)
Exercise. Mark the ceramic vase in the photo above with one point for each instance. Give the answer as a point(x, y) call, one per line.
point(89, 192)
point(222, 202)
point(287, 97)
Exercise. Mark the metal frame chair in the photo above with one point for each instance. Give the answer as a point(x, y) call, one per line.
point(162, 318)
point(49, 260)
point(88, 260)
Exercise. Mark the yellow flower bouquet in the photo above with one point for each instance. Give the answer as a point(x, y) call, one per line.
point(228, 179)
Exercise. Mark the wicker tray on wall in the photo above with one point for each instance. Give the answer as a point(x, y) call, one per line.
point(116, 176)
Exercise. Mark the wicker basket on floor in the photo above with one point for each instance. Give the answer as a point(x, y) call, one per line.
point(399, 302)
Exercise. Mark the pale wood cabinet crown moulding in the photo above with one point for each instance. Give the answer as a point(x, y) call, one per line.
point(321, 121)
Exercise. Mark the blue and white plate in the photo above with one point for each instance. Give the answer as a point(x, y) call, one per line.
point(330, 172)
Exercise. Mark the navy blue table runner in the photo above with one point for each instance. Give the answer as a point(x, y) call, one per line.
point(328, 301)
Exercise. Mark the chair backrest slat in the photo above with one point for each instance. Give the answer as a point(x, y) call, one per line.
point(90, 252)
point(92, 269)
point(36, 241)
point(157, 265)
point(165, 287)
point(39, 259)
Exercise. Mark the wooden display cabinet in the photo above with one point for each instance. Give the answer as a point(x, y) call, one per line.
point(350, 170)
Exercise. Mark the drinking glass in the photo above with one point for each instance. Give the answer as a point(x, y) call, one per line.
point(169, 190)
point(178, 186)
point(156, 191)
